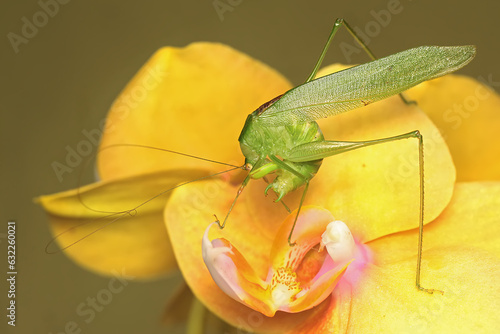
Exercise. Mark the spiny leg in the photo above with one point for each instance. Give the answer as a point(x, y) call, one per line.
point(321, 150)
point(336, 26)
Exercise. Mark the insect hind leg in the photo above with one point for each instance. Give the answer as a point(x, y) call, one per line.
point(321, 150)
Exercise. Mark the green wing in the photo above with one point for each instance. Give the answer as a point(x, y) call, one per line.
point(360, 85)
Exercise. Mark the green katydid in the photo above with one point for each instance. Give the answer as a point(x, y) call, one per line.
point(296, 157)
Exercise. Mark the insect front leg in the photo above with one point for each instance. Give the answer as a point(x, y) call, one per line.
point(324, 149)
point(240, 190)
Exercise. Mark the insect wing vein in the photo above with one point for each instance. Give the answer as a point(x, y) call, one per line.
point(360, 85)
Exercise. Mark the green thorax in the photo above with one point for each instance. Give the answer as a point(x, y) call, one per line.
point(259, 141)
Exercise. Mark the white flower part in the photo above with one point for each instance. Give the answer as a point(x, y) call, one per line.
point(220, 265)
point(338, 241)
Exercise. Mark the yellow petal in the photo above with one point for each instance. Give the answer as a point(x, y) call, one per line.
point(461, 256)
point(335, 316)
point(466, 112)
point(387, 301)
point(470, 221)
point(193, 100)
point(136, 244)
point(375, 190)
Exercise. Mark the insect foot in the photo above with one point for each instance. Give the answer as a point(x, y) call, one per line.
point(217, 221)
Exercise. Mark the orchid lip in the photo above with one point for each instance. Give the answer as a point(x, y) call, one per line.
point(299, 277)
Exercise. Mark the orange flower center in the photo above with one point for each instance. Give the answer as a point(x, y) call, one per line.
point(311, 264)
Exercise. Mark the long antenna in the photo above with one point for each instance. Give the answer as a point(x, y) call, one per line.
point(147, 147)
point(165, 150)
point(120, 214)
point(133, 211)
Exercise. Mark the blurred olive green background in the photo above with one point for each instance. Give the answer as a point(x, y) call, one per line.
point(65, 78)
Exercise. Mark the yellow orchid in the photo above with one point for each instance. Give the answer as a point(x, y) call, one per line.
point(195, 100)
